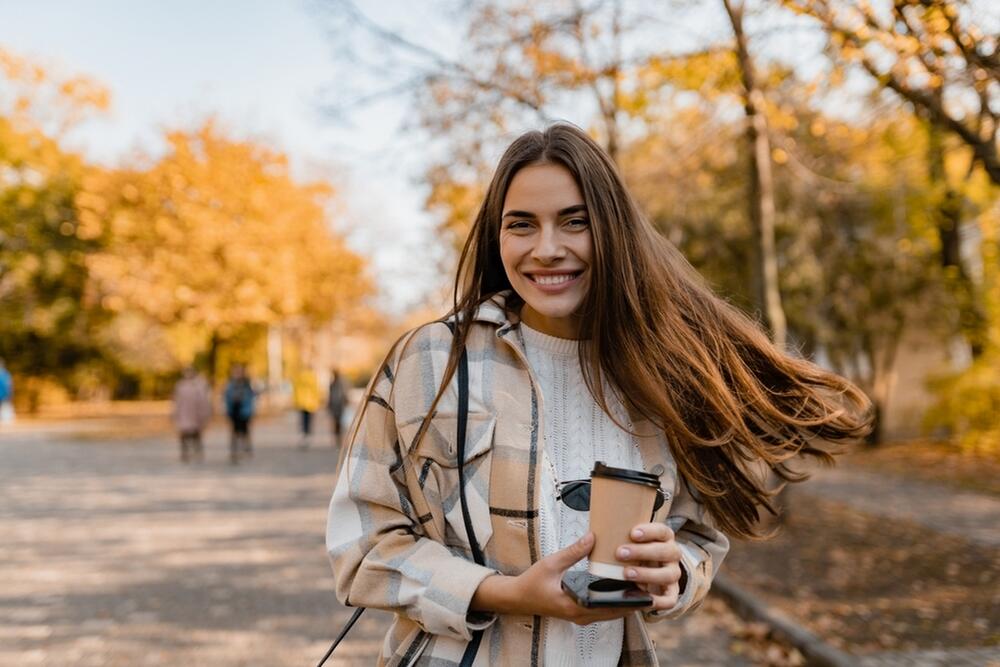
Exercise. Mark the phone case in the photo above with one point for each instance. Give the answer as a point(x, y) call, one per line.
point(590, 591)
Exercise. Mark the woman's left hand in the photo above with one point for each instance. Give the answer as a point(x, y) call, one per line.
point(653, 559)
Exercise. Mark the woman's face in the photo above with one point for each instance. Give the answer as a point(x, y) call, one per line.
point(546, 247)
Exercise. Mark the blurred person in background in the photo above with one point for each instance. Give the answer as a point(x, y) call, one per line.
point(6, 395)
point(239, 400)
point(192, 411)
point(336, 401)
point(305, 397)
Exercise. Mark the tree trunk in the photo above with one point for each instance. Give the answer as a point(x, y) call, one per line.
point(948, 216)
point(213, 358)
point(877, 435)
point(766, 288)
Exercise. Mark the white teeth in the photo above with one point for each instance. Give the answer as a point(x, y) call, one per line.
point(553, 280)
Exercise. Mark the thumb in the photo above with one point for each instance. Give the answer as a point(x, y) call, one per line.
point(575, 552)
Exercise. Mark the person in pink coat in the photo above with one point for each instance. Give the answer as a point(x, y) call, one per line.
point(192, 410)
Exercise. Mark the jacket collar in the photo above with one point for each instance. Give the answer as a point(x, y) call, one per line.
point(494, 311)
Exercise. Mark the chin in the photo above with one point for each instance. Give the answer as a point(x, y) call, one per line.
point(554, 312)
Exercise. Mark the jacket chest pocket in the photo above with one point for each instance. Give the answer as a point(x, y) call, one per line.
point(436, 463)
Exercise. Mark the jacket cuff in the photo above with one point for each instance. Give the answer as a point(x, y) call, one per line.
point(445, 605)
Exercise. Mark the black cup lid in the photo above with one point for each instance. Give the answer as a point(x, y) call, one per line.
point(625, 475)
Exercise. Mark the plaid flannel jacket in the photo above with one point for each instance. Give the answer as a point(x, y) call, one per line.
point(395, 533)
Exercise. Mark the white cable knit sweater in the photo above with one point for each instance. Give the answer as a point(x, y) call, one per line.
point(576, 433)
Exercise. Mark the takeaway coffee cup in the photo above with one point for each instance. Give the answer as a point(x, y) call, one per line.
point(620, 499)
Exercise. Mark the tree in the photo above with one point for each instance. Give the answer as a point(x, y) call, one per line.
point(215, 239)
point(855, 236)
point(969, 401)
point(519, 65)
point(929, 52)
point(761, 183)
point(938, 58)
point(48, 316)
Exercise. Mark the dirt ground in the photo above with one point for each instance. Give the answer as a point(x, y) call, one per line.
point(870, 584)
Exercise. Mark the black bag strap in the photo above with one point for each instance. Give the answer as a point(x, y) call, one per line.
point(463, 419)
point(343, 633)
point(477, 554)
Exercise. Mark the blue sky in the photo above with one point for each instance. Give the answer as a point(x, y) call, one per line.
point(259, 66)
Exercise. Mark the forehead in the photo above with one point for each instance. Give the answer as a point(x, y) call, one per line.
point(542, 188)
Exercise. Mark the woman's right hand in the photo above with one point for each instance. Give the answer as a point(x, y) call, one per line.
point(538, 592)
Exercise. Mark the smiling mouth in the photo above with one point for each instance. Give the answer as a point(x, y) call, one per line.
point(553, 279)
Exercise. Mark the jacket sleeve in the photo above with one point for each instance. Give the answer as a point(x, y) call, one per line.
point(380, 557)
point(702, 546)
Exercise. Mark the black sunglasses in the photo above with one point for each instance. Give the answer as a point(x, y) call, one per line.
point(576, 495)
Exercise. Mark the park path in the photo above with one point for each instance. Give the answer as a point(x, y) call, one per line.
point(115, 554)
point(943, 509)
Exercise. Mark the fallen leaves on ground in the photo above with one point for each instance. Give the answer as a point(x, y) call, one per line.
point(867, 584)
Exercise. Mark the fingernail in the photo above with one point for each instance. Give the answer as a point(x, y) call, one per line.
point(623, 553)
point(630, 574)
point(637, 532)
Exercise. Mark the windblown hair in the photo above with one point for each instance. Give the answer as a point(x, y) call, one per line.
point(698, 368)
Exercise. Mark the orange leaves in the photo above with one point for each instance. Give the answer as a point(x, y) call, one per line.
point(216, 235)
point(36, 98)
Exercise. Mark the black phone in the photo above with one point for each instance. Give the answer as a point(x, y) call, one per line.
point(590, 591)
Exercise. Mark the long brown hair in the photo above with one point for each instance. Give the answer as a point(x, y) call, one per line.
point(729, 402)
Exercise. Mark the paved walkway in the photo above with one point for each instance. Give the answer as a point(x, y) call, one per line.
point(973, 516)
point(115, 554)
point(976, 657)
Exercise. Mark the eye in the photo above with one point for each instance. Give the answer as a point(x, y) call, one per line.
point(519, 225)
point(578, 223)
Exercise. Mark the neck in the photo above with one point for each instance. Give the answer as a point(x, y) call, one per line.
point(560, 327)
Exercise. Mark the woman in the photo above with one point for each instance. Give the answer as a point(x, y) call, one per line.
point(336, 403)
point(588, 337)
point(191, 413)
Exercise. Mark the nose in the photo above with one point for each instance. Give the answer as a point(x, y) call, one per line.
point(549, 246)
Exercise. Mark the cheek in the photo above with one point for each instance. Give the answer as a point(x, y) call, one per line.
point(585, 248)
point(510, 256)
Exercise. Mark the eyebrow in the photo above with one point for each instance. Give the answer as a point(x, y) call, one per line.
point(579, 208)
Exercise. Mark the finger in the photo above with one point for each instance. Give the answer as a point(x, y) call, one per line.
point(574, 553)
point(652, 589)
point(658, 552)
point(651, 532)
point(669, 598)
point(666, 575)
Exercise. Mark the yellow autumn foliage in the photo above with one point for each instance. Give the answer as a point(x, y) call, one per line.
point(216, 236)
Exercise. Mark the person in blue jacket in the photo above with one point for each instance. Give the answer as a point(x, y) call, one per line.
point(239, 401)
point(6, 394)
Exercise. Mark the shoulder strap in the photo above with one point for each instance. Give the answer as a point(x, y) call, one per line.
point(477, 554)
point(463, 418)
point(343, 633)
